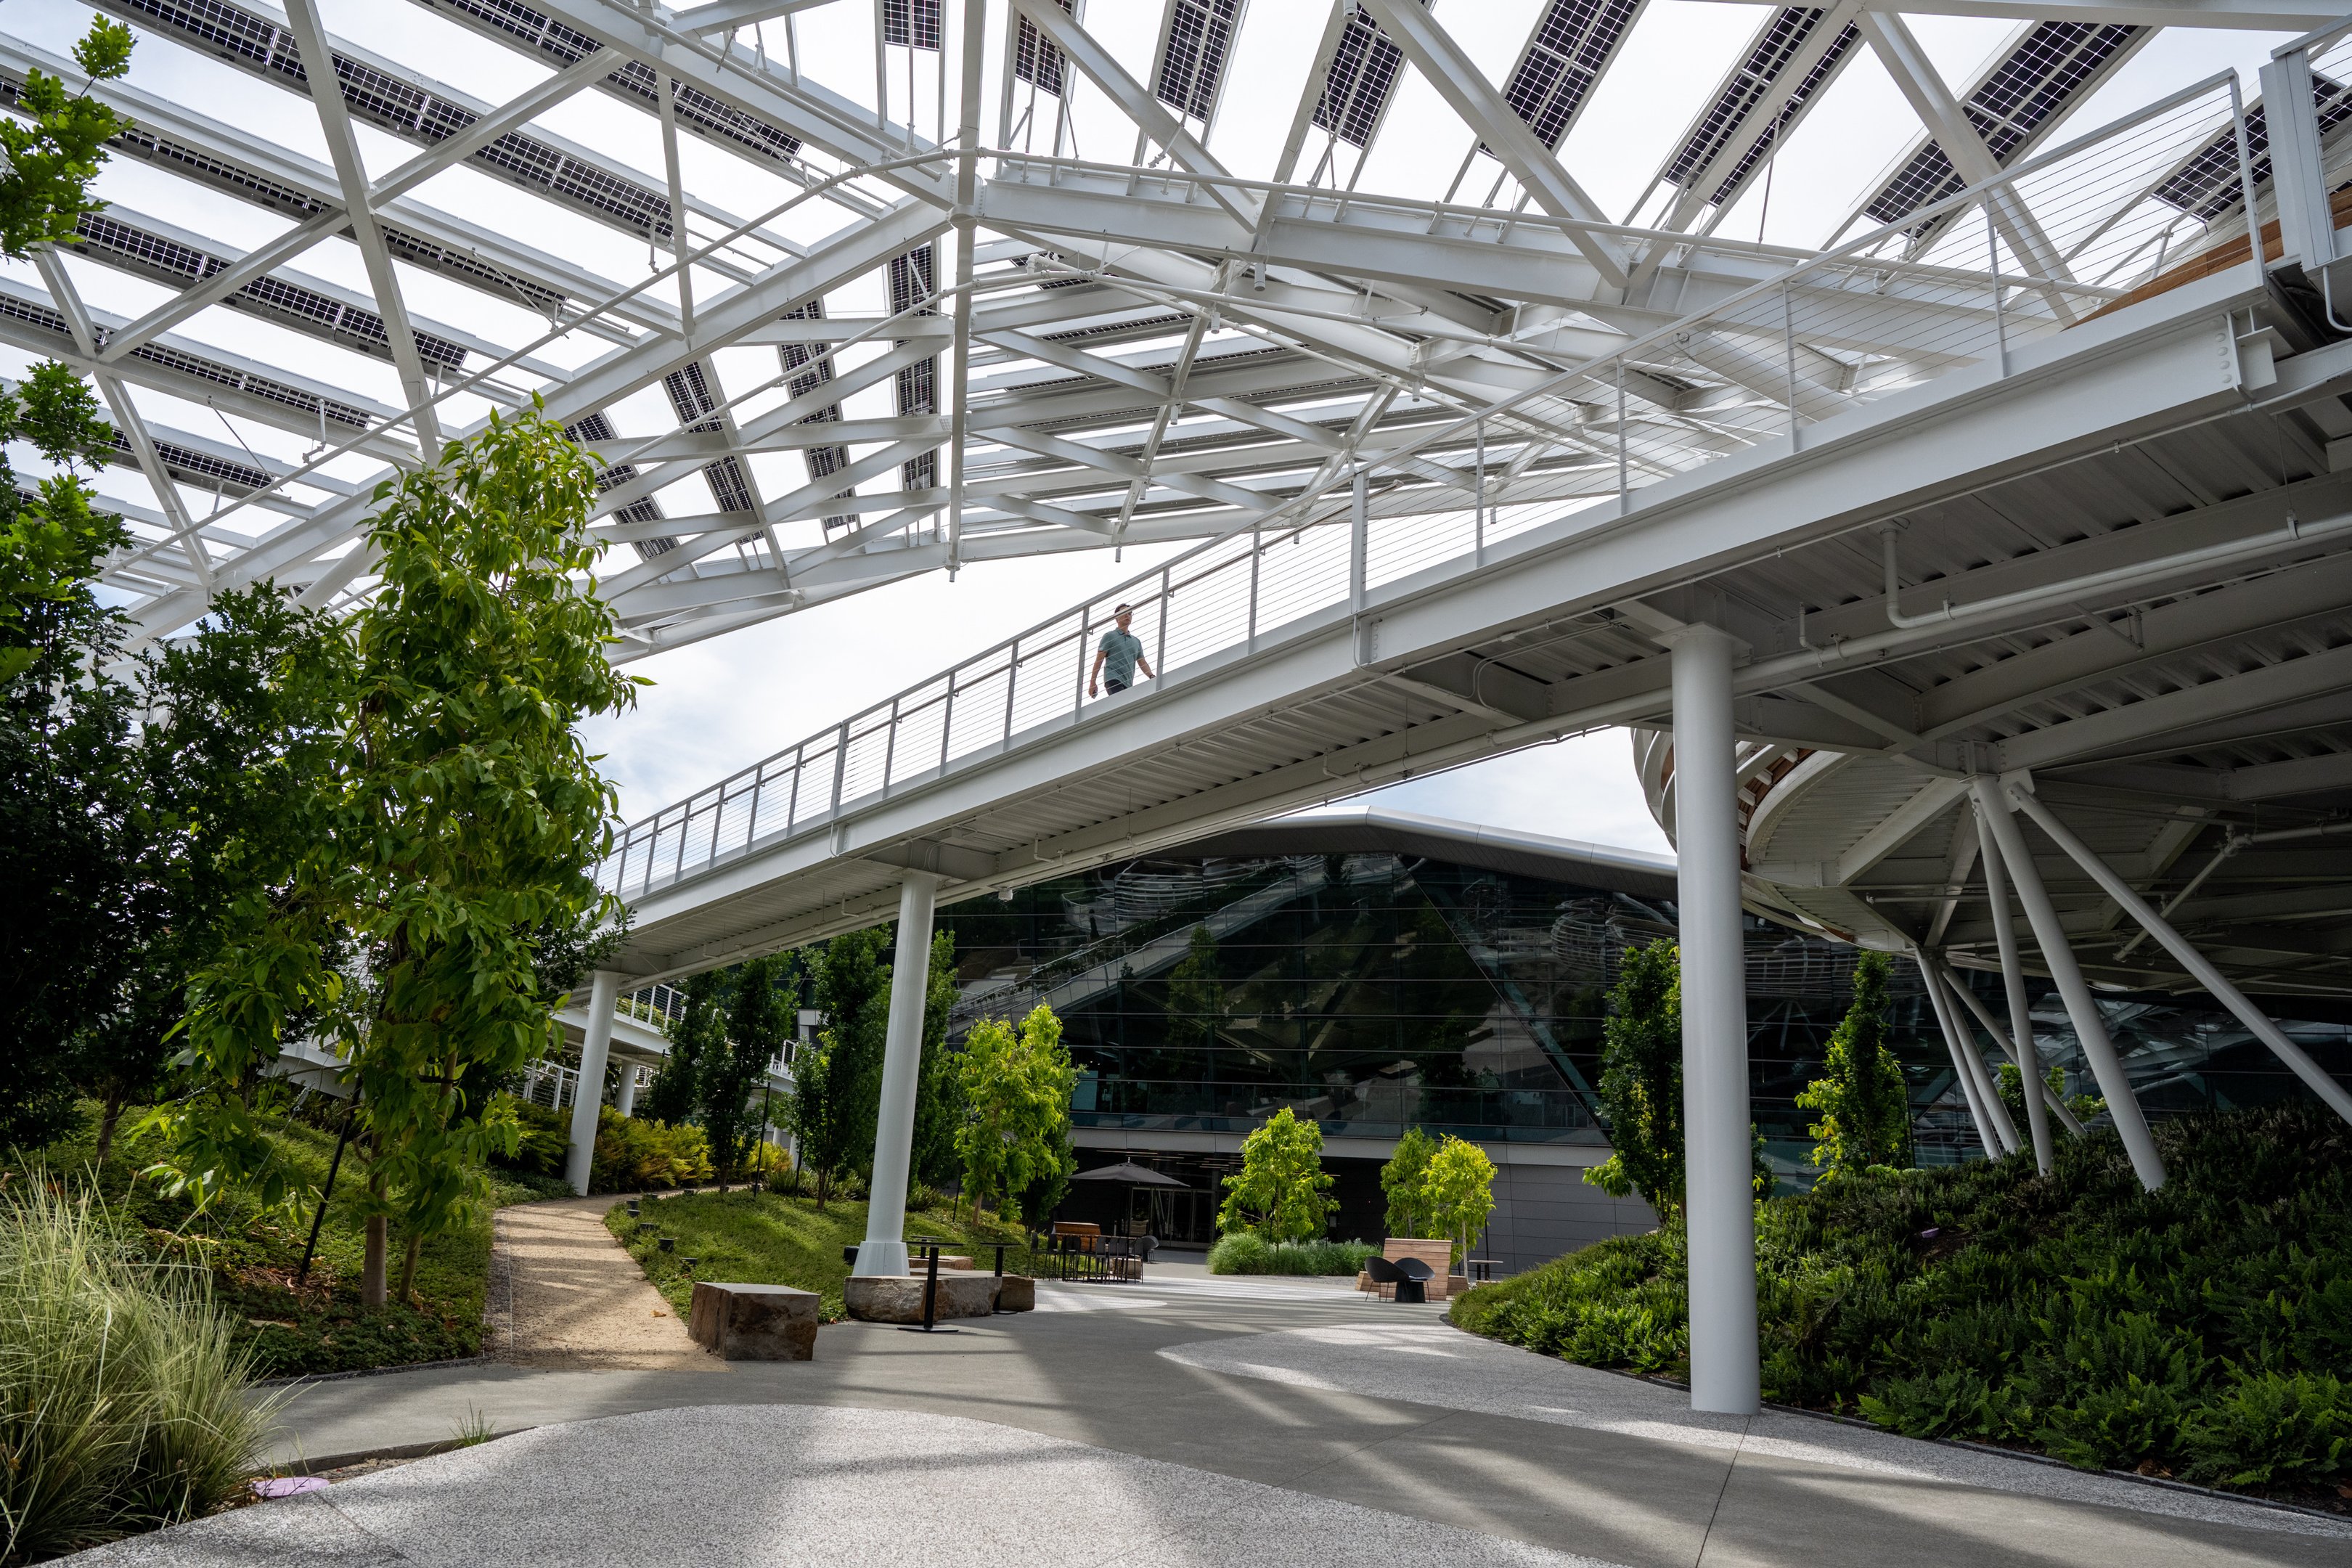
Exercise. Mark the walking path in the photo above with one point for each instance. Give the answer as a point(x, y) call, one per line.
point(566, 1295)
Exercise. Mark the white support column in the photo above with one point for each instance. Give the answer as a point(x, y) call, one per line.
point(884, 1250)
point(2012, 978)
point(1960, 1068)
point(2050, 936)
point(625, 1097)
point(2313, 1076)
point(1970, 1062)
point(2050, 1100)
point(1718, 1156)
point(603, 993)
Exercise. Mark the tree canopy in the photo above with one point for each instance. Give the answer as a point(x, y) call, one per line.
point(1016, 1092)
point(1279, 1191)
point(1641, 1079)
point(1863, 1106)
point(1402, 1180)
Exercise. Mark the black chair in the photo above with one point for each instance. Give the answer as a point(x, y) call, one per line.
point(1410, 1276)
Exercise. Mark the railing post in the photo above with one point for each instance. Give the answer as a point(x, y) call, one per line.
point(1788, 351)
point(1078, 691)
point(2000, 317)
point(1159, 653)
point(752, 817)
point(891, 745)
point(678, 865)
point(1622, 488)
point(1257, 554)
point(947, 718)
point(2246, 176)
point(793, 801)
point(840, 761)
point(1478, 502)
point(1012, 679)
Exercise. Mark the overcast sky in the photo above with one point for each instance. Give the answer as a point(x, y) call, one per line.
point(723, 704)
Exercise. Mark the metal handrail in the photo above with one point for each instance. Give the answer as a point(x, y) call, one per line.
point(1280, 551)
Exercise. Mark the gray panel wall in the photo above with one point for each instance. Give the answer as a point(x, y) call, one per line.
point(1543, 1211)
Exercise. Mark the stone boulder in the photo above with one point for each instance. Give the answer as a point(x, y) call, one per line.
point(1018, 1294)
point(899, 1298)
point(754, 1322)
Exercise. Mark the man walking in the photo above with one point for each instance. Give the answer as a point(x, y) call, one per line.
point(1121, 653)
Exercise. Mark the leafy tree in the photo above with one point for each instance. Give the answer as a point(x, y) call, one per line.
point(1459, 1184)
point(837, 1081)
point(1279, 1191)
point(938, 1092)
point(1641, 1079)
point(2011, 1089)
point(463, 821)
point(52, 153)
point(1863, 1105)
point(696, 1039)
point(767, 996)
point(1402, 1179)
point(1196, 996)
point(1045, 1191)
point(1017, 1088)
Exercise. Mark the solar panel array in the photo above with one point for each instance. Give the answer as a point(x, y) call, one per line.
point(1358, 83)
point(1571, 49)
point(2207, 185)
point(2020, 95)
point(1754, 80)
point(1192, 55)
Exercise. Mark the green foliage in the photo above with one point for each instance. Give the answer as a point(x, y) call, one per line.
point(124, 1402)
point(1279, 1191)
point(1246, 1252)
point(837, 1081)
point(1864, 1104)
point(2200, 1330)
point(1016, 1092)
point(633, 1154)
point(766, 1239)
point(54, 151)
point(1459, 1188)
point(1641, 1079)
point(461, 823)
point(696, 1036)
point(1402, 1180)
point(767, 1004)
point(939, 1091)
point(2011, 1089)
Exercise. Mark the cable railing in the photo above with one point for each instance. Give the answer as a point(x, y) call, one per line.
point(1958, 284)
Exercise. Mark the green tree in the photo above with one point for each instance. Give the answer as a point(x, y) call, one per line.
point(767, 1000)
point(1864, 1105)
point(464, 822)
point(1459, 1187)
point(1279, 1191)
point(1402, 1180)
point(55, 150)
point(1017, 1088)
point(939, 1091)
point(2011, 1089)
point(696, 1036)
point(1641, 1079)
point(837, 1081)
point(1196, 995)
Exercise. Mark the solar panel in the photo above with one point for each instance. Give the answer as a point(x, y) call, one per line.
point(1034, 61)
point(2206, 184)
point(911, 23)
point(917, 385)
point(187, 464)
point(1757, 78)
point(2027, 91)
point(597, 428)
point(823, 461)
point(1362, 74)
point(1193, 56)
point(691, 400)
point(1571, 45)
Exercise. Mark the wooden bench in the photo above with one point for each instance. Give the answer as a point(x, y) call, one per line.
point(1438, 1254)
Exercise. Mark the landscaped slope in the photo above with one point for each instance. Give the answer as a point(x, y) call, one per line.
point(2202, 1332)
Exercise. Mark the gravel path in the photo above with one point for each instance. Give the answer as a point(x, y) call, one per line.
point(783, 1486)
point(564, 1294)
point(1436, 1364)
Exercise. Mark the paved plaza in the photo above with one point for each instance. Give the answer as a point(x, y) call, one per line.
point(1184, 1420)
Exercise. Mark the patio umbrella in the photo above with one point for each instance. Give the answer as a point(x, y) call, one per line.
point(1129, 1172)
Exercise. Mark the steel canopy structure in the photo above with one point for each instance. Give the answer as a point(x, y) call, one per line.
point(1987, 558)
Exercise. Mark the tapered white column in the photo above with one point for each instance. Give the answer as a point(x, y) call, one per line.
point(595, 1047)
point(2313, 1076)
point(1994, 1129)
point(884, 1250)
point(624, 1096)
point(2050, 936)
point(1719, 1210)
point(2012, 980)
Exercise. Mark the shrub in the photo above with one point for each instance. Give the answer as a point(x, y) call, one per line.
point(1246, 1252)
point(123, 1405)
point(632, 1155)
point(2200, 1331)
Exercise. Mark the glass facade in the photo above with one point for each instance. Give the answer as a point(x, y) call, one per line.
point(1373, 992)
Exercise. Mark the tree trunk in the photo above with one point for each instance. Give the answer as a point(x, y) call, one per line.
point(109, 1115)
point(408, 1265)
point(372, 1270)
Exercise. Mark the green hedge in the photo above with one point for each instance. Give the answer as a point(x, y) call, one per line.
point(2202, 1332)
point(1246, 1252)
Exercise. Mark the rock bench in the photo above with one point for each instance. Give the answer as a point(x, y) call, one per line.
point(754, 1322)
point(899, 1298)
